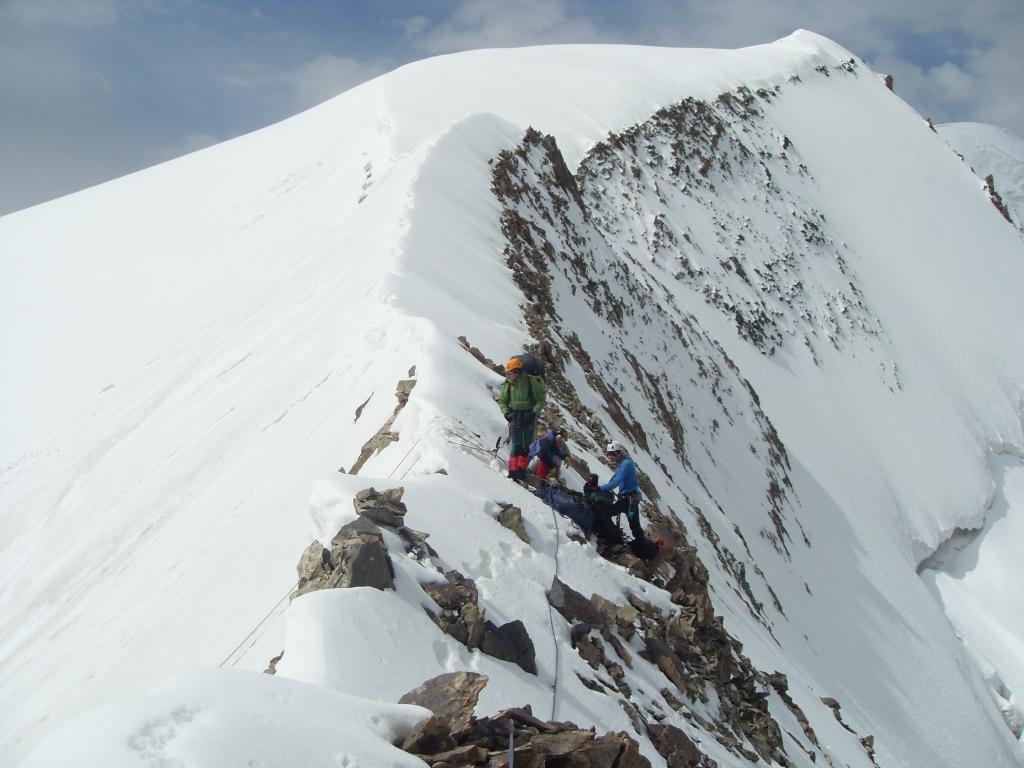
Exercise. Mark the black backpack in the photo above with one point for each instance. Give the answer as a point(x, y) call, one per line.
point(601, 500)
point(532, 365)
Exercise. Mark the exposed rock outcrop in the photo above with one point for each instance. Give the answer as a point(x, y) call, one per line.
point(558, 254)
point(451, 697)
point(460, 617)
point(674, 745)
point(358, 556)
point(480, 356)
point(384, 436)
point(384, 508)
point(996, 198)
point(510, 642)
point(512, 518)
point(453, 737)
point(690, 647)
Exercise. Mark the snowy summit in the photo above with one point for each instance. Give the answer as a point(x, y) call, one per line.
point(759, 271)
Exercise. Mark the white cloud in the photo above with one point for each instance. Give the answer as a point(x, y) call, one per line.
point(501, 24)
point(192, 142)
point(951, 60)
point(980, 82)
point(326, 76)
point(414, 26)
point(315, 81)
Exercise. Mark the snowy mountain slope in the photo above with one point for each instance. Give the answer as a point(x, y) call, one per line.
point(992, 151)
point(854, 638)
point(247, 300)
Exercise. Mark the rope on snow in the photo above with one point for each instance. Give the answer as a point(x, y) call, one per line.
point(551, 622)
point(254, 629)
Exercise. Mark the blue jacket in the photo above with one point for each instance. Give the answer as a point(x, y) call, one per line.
point(624, 478)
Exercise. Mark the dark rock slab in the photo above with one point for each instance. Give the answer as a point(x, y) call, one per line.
point(384, 508)
point(383, 516)
point(451, 697)
point(469, 754)
point(360, 557)
point(572, 605)
point(629, 756)
point(460, 616)
point(662, 656)
point(510, 642)
point(675, 746)
point(604, 751)
point(562, 743)
point(416, 543)
point(430, 737)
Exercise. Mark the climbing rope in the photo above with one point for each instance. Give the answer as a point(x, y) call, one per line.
point(551, 622)
point(255, 629)
point(403, 459)
point(410, 467)
point(473, 441)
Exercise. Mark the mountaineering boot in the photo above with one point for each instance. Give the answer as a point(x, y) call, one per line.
point(517, 468)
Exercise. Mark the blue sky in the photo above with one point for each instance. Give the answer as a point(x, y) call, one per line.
point(93, 89)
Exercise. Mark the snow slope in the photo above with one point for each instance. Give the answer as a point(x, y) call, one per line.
point(192, 352)
point(992, 151)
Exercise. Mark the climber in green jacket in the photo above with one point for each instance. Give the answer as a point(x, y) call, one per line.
point(521, 400)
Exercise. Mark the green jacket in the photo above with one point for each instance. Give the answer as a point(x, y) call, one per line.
point(526, 393)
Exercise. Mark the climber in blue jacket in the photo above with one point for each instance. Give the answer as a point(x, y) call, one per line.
point(624, 483)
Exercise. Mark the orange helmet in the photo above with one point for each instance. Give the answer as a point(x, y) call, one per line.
point(513, 364)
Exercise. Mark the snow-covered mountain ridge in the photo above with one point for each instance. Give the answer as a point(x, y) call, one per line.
point(753, 327)
point(992, 152)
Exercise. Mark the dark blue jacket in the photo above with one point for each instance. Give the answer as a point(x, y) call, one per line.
point(547, 448)
point(624, 478)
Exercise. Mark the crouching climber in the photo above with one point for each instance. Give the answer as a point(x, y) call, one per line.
point(549, 452)
point(521, 400)
point(624, 482)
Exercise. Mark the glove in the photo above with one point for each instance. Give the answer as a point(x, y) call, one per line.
point(591, 484)
point(509, 416)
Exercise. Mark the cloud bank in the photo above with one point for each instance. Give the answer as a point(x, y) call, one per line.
point(92, 89)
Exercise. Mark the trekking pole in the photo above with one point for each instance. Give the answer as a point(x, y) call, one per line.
point(466, 426)
point(462, 444)
point(468, 438)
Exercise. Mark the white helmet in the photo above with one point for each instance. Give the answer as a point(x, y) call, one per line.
point(614, 447)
